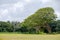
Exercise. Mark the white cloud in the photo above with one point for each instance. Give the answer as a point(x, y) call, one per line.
point(58, 14)
point(19, 5)
point(20, 9)
point(45, 1)
point(3, 13)
point(14, 7)
point(28, 1)
point(11, 11)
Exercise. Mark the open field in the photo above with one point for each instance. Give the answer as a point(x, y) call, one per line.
point(29, 37)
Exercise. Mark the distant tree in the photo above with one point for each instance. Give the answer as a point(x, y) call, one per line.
point(9, 26)
point(58, 26)
point(40, 19)
point(4, 26)
point(53, 26)
point(15, 25)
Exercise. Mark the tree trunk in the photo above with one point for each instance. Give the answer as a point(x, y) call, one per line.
point(37, 29)
point(48, 28)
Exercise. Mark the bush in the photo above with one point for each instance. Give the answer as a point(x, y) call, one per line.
point(32, 31)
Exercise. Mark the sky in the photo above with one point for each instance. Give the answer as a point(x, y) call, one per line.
point(18, 10)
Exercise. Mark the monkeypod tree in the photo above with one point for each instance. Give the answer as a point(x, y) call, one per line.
point(40, 19)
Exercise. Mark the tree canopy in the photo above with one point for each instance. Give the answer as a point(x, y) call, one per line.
point(40, 18)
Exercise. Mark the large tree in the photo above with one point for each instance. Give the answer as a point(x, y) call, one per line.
point(40, 19)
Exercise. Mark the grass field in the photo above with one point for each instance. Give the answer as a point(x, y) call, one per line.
point(28, 37)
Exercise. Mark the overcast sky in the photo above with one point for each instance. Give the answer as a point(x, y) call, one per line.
point(18, 10)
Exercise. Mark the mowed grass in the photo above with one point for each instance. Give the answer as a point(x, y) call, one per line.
point(7, 36)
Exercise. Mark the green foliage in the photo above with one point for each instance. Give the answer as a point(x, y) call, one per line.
point(32, 31)
point(58, 26)
point(53, 26)
point(4, 26)
point(40, 18)
point(23, 29)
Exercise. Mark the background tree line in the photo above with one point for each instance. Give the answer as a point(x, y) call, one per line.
point(42, 21)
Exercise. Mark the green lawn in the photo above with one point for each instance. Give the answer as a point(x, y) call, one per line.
point(7, 36)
